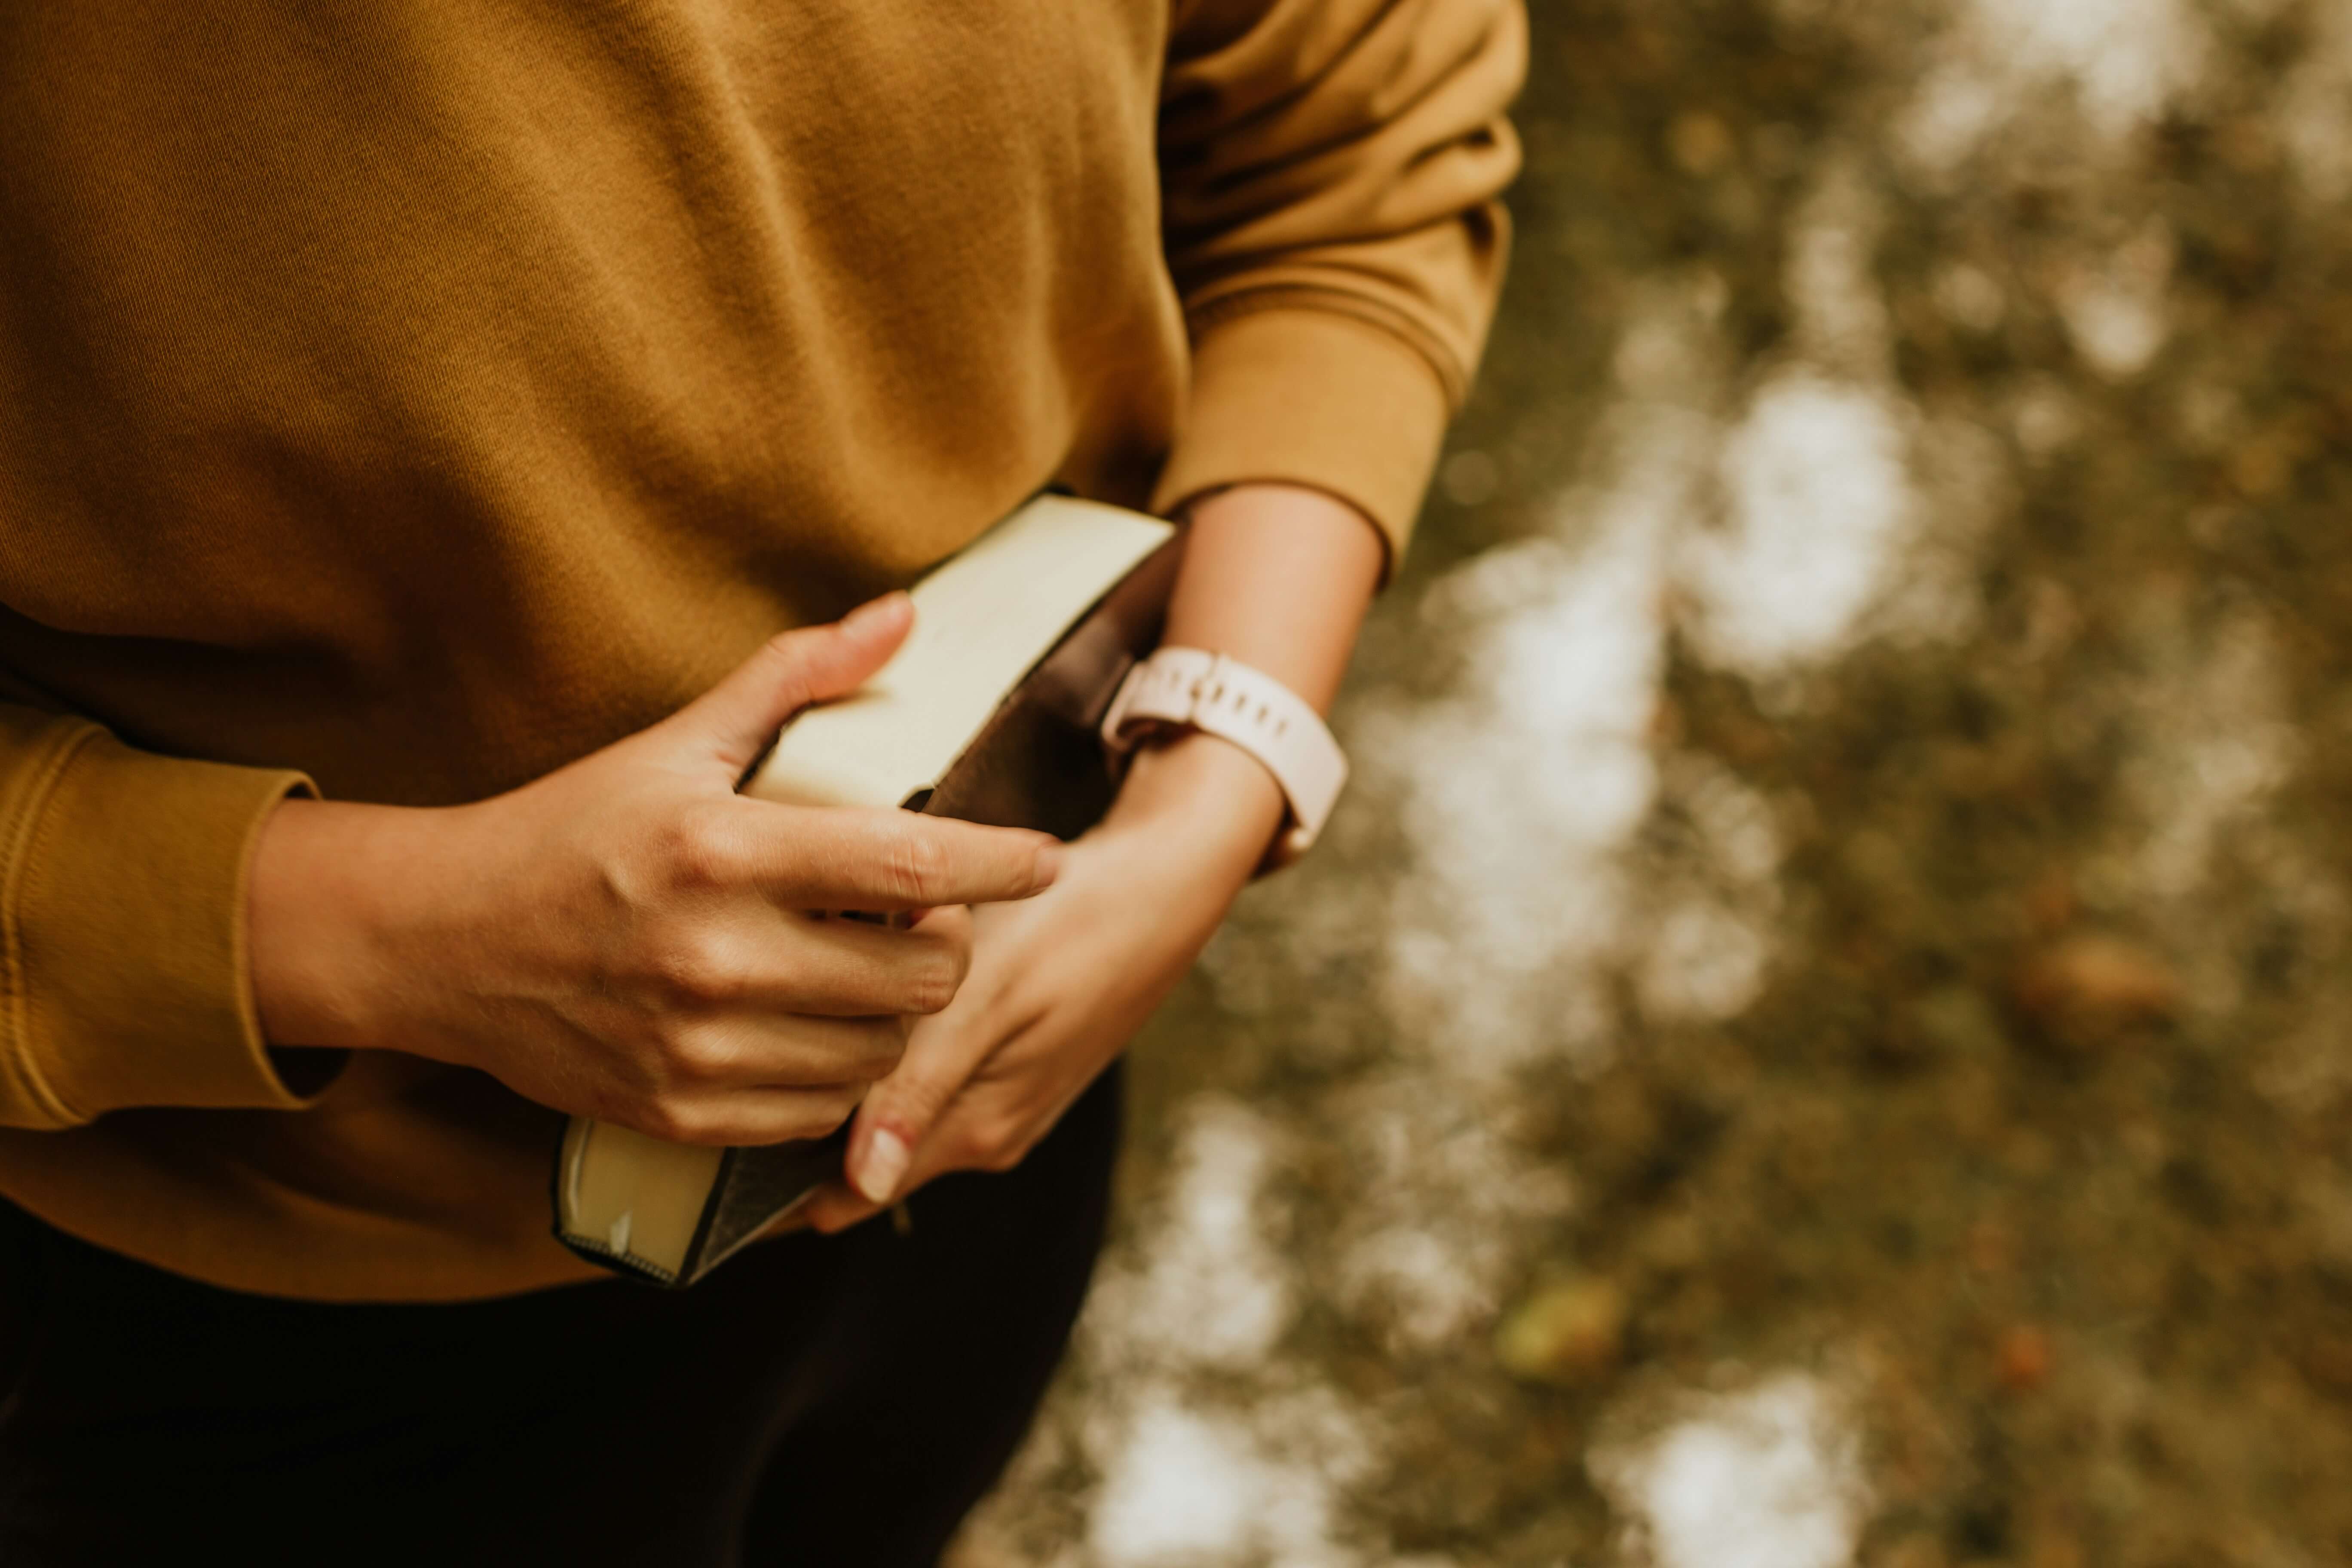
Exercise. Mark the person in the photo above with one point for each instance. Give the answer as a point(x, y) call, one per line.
point(436, 446)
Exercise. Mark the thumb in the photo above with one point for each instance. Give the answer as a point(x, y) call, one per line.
point(737, 718)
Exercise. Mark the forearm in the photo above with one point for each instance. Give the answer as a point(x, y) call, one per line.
point(1278, 577)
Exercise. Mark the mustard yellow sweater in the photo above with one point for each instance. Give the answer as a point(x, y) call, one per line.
point(410, 397)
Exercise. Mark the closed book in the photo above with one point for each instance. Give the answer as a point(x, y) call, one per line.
point(989, 712)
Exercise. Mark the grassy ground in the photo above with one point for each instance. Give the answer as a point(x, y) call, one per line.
point(1884, 1013)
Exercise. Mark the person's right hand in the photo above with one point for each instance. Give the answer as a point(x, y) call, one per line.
point(628, 938)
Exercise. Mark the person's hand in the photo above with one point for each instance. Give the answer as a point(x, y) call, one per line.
point(1060, 984)
point(628, 938)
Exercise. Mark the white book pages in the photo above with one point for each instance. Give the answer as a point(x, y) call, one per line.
point(636, 1196)
point(981, 621)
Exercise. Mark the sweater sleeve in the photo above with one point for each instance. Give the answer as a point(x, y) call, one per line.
point(122, 954)
point(1328, 172)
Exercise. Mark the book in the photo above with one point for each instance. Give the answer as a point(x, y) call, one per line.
point(988, 712)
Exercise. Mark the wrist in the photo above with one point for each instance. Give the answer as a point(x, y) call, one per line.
point(1205, 793)
point(324, 875)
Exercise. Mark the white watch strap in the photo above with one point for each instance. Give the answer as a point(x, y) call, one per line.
point(1221, 697)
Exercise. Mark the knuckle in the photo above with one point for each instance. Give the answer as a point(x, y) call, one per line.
point(932, 985)
point(1003, 1144)
point(699, 845)
point(922, 1102)
point(989, 1145)
point(680, 1121)
point(694, 1054)
point(697, 969)
point(917, 868)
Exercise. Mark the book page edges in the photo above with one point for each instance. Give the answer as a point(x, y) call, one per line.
point(981, 621)
point(636, 1199)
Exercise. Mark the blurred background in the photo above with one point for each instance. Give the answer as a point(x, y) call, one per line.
point(1823, 1033)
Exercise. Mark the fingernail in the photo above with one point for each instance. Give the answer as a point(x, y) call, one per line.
point(885, 1165)
point(1047, 867)
point(872, 610)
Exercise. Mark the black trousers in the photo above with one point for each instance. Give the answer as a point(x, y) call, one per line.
point(835, 1401)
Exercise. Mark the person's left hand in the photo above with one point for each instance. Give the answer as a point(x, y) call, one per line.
point(1059, 983)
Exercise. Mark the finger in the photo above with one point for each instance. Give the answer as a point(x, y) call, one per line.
point(902, 1109)
point(746, 1051)
point(737, 718)
point(883, 859)
point(792, 1217)
point(750, 1117)
point(960, 1139)
point(835, 1206)
point(855, 970)
point(806, 963)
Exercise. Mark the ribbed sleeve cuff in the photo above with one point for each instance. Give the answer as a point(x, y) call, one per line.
point(122, 923)
point(1302, 394)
